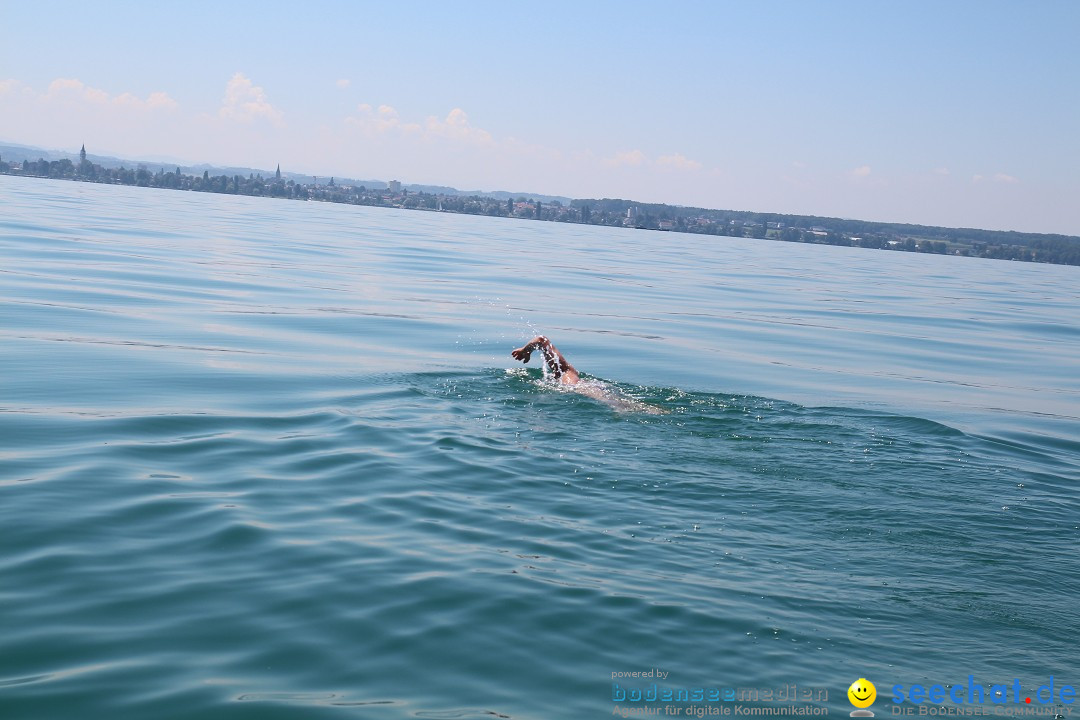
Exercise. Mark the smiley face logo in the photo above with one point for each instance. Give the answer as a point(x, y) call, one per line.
point(862, 693)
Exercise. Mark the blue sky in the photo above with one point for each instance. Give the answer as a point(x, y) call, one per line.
point(951, 113)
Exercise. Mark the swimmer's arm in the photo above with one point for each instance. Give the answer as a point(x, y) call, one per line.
point(554, 359)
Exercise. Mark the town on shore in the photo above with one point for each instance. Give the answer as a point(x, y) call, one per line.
point(1004, 245)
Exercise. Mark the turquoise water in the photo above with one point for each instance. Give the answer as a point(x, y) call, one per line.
point(269, 459)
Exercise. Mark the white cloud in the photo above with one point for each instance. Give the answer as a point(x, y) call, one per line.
point(678, 162)
point(74, 91)
point(942, 171)
point(631, 158)
point(865, 178)
point(154, 101)
point(343, 83)
point(439, 149)
point(67, 112)
point(454, 128)
point(996, 177)
point(162, 100)
point(246, 102)
point(378, 122)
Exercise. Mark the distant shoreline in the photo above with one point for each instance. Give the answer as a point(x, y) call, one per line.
point(996, 244)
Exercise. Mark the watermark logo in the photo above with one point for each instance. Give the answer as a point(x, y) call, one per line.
point(862, 694)
point(1003, 699)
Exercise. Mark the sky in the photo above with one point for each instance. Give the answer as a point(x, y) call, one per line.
point(955, 113)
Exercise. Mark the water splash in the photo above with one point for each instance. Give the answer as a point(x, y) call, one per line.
point(601, 391)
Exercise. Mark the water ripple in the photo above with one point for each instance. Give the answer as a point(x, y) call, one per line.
point(265, 458)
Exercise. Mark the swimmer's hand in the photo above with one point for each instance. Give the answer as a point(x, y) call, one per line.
point(556, 363)
point(524, 352)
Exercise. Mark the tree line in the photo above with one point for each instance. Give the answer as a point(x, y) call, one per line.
point(1027, 247)
point(997, 244)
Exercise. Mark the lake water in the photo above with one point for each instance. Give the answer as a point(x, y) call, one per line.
point(272, 459)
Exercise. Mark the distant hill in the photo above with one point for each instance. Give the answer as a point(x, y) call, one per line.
point(996, 244)
point(495, 194)
point(14, 152)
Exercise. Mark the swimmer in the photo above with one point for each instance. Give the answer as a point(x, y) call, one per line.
point(563, 371)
